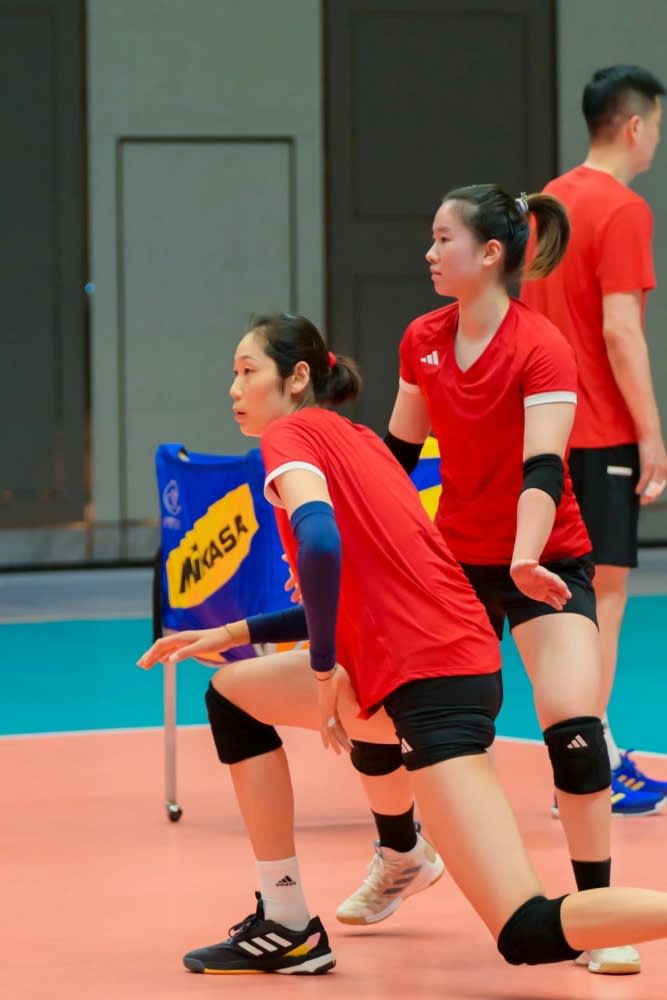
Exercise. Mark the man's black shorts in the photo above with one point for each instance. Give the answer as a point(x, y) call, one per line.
point(604, 482)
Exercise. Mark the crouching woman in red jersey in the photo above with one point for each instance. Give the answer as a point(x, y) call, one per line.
point(383, 597)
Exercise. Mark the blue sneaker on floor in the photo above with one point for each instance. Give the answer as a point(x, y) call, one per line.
point(629, 775)
point(627, 801)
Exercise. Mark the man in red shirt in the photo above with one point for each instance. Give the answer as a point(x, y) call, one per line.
point(596, 297)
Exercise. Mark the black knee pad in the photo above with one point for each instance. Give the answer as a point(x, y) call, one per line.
point(237, 736)
point(533, 935)
point(376, 759)
point(579, 755)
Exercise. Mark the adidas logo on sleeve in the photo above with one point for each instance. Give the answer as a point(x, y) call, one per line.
point(431, 359)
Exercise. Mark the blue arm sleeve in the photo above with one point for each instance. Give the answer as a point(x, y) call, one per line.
point(318, 566)
point(279, 626)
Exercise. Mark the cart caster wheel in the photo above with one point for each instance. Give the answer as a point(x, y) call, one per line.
point(174, 812)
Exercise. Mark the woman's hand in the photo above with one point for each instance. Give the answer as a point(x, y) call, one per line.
point(292, 584)
point(181, 645)
point(540, 583)
point(331, 728)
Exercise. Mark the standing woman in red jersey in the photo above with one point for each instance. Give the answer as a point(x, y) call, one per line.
point(496, 383)
point(382, 596)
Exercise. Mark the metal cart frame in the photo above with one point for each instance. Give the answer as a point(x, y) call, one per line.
point(174, 811)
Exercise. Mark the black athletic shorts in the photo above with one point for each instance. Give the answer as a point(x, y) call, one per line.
point(604, 482)
point(502, 598)
point(439, 718)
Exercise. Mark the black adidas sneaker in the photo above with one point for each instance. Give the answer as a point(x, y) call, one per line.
point(260, 945)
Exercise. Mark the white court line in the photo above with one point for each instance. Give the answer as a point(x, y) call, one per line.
point(540, 743)
point(204, 725)
point(97, 732)
point(102, 616)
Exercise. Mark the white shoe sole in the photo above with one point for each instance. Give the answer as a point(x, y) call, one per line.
point(313, 966)
point(609, 968)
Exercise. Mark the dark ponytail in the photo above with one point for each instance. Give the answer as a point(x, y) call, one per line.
point(493, 214)
point(552, 229)
point(289, 339)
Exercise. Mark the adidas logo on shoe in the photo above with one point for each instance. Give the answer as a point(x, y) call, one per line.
point(286, 881)
point(577, 743)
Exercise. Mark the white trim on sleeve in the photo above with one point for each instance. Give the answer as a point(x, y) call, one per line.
point(538, 398)
point(408, 386)
point(270, 491)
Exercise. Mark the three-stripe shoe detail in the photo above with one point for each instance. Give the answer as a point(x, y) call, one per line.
point(407, 876)
point(259, 945)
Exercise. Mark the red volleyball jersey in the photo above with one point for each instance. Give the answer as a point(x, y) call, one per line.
point(477, 417)
point(406, 609)
point(609, 251)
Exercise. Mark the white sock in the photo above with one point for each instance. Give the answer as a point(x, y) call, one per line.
point(614, 752)
point(282, 893)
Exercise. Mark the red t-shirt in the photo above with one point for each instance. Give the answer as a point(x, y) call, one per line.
point(406, 609)
point(609, 251)
point(477, 417)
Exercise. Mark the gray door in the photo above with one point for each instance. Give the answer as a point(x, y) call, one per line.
point(421, 96)
point(42, 313)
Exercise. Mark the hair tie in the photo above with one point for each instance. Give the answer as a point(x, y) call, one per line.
point(332, 359)
point(522, 204)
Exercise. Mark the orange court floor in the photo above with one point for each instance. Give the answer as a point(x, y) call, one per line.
point(101, 895)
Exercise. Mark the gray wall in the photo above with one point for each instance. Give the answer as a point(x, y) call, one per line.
point(592, 34)
point(206, 202)
point(206, 192)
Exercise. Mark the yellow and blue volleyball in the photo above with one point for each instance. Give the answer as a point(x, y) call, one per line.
point(426, 476)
